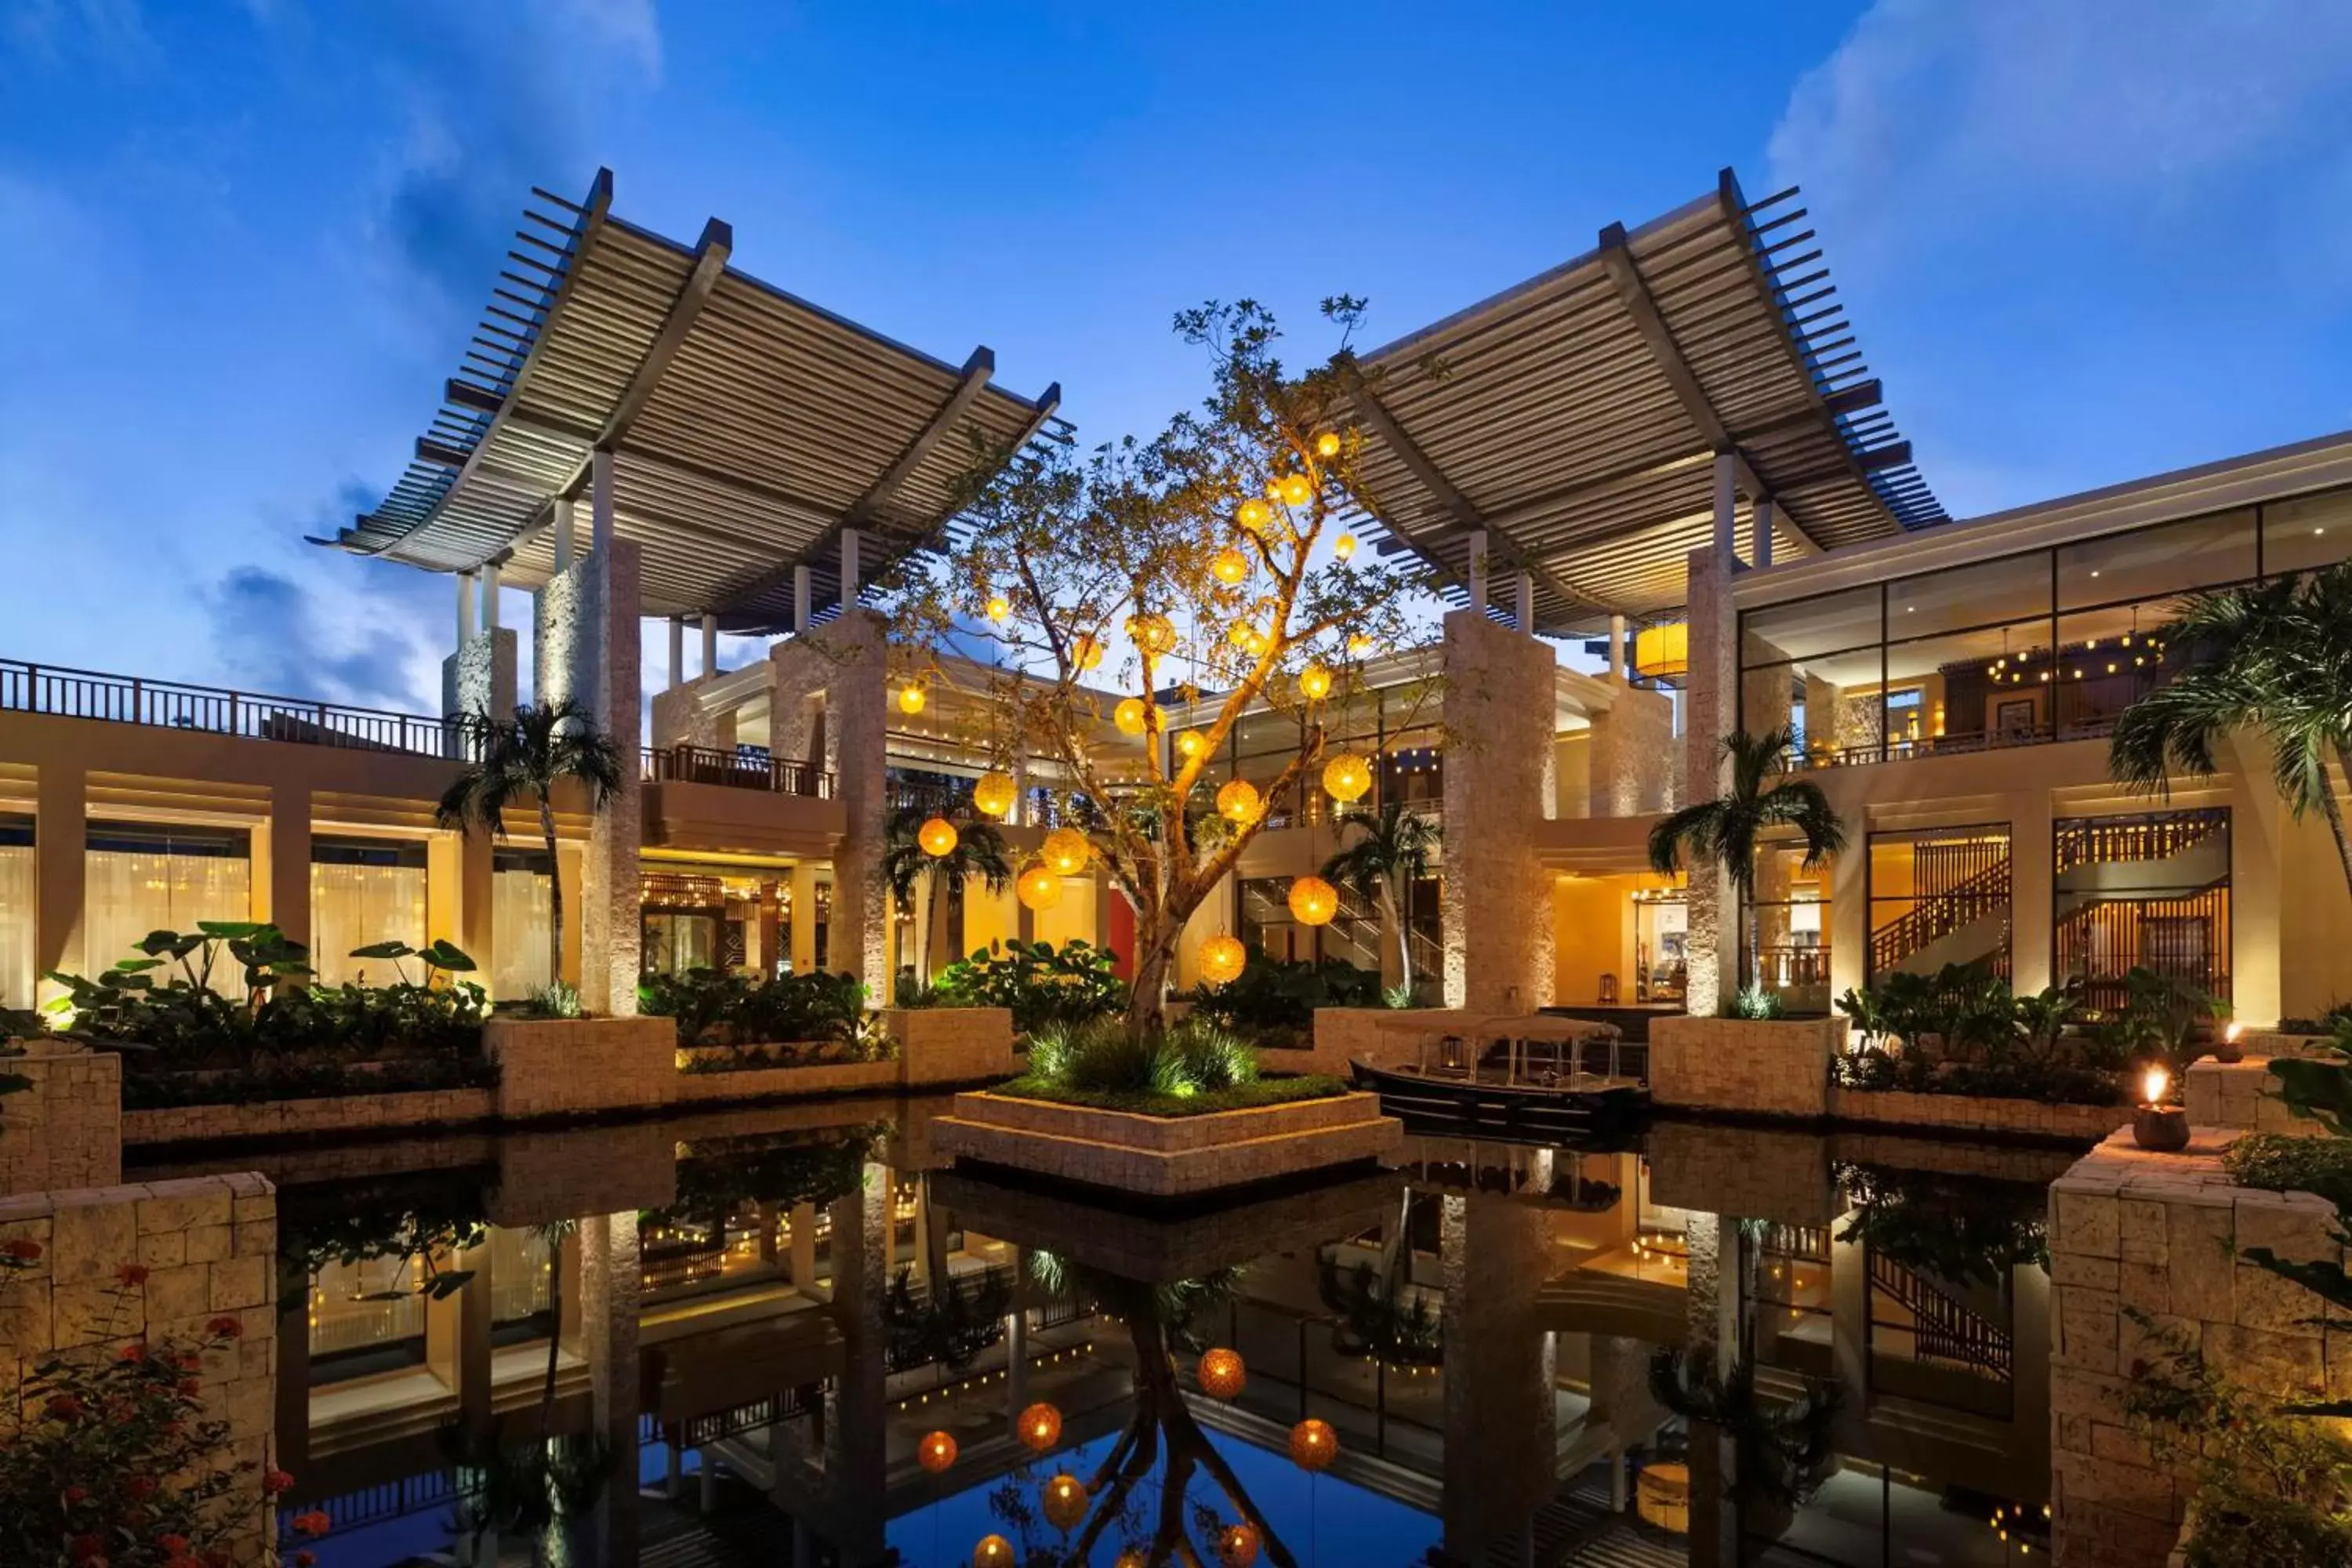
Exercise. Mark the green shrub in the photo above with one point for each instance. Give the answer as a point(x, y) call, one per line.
point(1920, 1072)
point(1272, 1000)
point(2278, 1163)
point(1041, 985)
point(717, 1007)
point(1190, 1059)
point(1755, 1002)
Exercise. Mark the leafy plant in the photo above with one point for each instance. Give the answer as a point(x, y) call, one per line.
point(949, 1325)
point(916, 877)
point(1273, 1000)
point(1783, 1447)
point(1755, 1002)
point(1390, 853)
point(2162, 1019)
point(1963, 1232)
point(1044, 986)
point(1192, 1066)
point(719, 1007)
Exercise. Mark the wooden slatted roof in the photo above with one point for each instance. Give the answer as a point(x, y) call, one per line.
point(748, 426)
point(1575, 418)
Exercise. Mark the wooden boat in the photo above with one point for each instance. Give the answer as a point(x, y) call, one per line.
point(1531, 1074)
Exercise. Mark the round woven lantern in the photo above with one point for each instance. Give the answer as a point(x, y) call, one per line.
point(1129, 716)
point(1237, 1546)
point(1085, 651)
point(1313, 901)
point(1222, 958)
point(1191, 742)
point(1230, 566)
point(999, 607)
point(993, 794)
point(1222, 1373)
point(1344, 546)
point(1315, 683)
point(1064, 1502)
point(936, 1452)
point(1040, 1427)
point(1037, 888)
point(993, 1552)
point(911, 699)
point(1154, 633)
point(937, 837)
point(1297, 490)
point(1066, 850)
point(1346, 777)
point(1313, 1445)
point(1327, 445)
point(1237, 801)
point(1254, 515)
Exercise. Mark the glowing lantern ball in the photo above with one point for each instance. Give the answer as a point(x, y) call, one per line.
point(1222, 958)
point(1129, 716)
point(1041, 1426)
point(1155, 635)
point(1222, 1373)
point(1313, 1445)
point(1191, 742)
point(1327, 445)
point(937, 1452)
point(1254, 515)
point(1066, 850)
point(1237, 1546)
point(1315, 683)
point(1230, 567)
point(993, 1552)
point(1344, 547)
point(912, 699)
point(937, 837)
point(993, 794)
point(1296, 489)
point(1064, 1502)
point(1240, 633)
point(1313, 901)
point(999, 608)
point(1237, 801)
point(1358, 644)
point(1131, 1558)
point(1038, 889)
point(1346, 777)
point(1085, 652)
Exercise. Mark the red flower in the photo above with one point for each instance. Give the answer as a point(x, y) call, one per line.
point(224, 1328)
point(74, 1495)
point(314, 1523)
point(189, 1386)
point(86, 1546)
point(134, 1351)
point(275, 1482)
point(190, 1360)
point(24, 1251)
point(140, 1485)
point(305, 1559)
point(172, 1545)
point(63, 1407)
point(132, 1274)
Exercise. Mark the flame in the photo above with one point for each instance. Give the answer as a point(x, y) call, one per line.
point(2232, 1032)
point(2153, 1084)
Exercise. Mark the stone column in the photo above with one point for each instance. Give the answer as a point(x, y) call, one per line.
point(856, 1406)
point(803, 916)
point(1495, 896)
point(709, 645)
point(676, 652)
point(1715, 1299)
point(1501, 1421)
point(1709, 705)
point(1632, 753)
point(611, 1273)
point(800, 600)
point(611, 929)
point(289, 860)
point(61, 887)
point(857, 716)
point(561, 509)
point(803, 1250)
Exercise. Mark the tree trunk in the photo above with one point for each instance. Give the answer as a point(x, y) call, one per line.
point(1144, 1013)
point(554, 895)
point(1754, 946)
point(1392, 912)
point(926, 903)
point(2335, 813)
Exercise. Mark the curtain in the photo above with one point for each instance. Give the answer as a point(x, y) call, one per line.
point(521, 1268)
point(132, 892)
point(521, 909)
point(358, 906)
point(17, 906)
point(343, 1319)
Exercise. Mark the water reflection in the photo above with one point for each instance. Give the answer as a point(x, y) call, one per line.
point(1722, 1344)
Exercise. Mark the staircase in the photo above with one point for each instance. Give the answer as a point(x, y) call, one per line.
point(1943, 1329)
point(2186, 937)
point(2124, 840)
point(1940, 912)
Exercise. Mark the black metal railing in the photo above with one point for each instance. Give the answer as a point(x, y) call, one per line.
point(1939, 914)
point(1942, 1329)
point(1903, 751)
point(2185, 936)
point(216, 710)
point(744, 768)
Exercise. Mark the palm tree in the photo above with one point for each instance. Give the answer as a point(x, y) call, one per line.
point(916, 874)
point(1725, 831)
point(2276, 659)
point(542, 746)
point(1383, 864)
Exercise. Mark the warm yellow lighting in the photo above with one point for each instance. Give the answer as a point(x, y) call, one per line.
point(1221, 1371)
point(1344, 546)
point(1346, 777)
point(1129, 716)
point(1313, 901)
point(993, 1552)
point(1222, 958)
point(937, 835)
point(936, 1452)
point(2153, 1084)
point(1000, 609)
point(1296, 489)
point(1040, 1427)
point(1313, 1445)
point(1065, 1502)
point(1240, 633)
point(1315, 683)
point(1037, 888)
point(1327, 445)
point(911, 699)
point(1238, 802)
point(1066, 850)
point(1662, 652)
point(1254, 515)
point(1191, 742)
point(1237, 1546)
point(1154, 633)
point(1358, 644)
point(994, 792)
point(1230, 567)
point(1085, 651)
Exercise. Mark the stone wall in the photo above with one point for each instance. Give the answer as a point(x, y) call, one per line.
point(580, 1067)
point(479, 678)
point(66, 1131)
point(842, 671)
point(300, 1118)
point(1168, 1156)
point(2162, 1234)
point(940, 1047)
point(2243, 1095)
point(2006, 1118)
point(1710, 709)
point(1634, 766)
point(210, 1246)
point(1495, 897)
point(1752, 1066)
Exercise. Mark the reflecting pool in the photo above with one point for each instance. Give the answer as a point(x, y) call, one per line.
point(807, 1339)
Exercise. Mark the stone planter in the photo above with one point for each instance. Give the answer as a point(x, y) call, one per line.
point(1745, 1065)
point(1165, 1157)
point(580, 1067)
point(1982, 1114)
point(2242, 1095)
point(940, 1047)
point(66, 1130)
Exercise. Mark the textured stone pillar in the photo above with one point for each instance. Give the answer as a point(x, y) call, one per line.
point(1498, 758)
point(610, 927)
point(1501, 1436)
point(1715, 1299)
point(1632, 753)
point(479, 678)
point(61, 886)
point(1709, 705)
point(611, 1274)
point(857, 717)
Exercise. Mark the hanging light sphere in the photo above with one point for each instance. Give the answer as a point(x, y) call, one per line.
point(1313, 901)
point(1085, 651)
point(1313, 1445)
point(999, 607)
point(1221, 1372)
point(1346, 777)
point(1067, 850)
point(1238, 802)
point(1315, 683)
point(1132, 1557)
point(1129, 716)
point(937, 837)
point(1154, 633)
point(1230, 566)
point(1191, 742)
point(993, 1552)
point(1297, 490)
point(1237, 1546)
point(1040, 1427)
point(1358, 644)
point(1344, 547)
point(1240, 633)
point(1327, 445)
point(937, 1451)
point(1037, 888)
point(1254, 515)
point(993, 794)
point(911, 699)
point(1064, 1502)
point(1222, 958)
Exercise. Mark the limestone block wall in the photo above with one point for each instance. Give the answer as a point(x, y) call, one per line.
point(1776, 1067)
point(210, 1246)
point(611, 925)
point(1710, 711)
point(2162, 1234)
point(561, 663)
point(479, 678)
point(66, 1131)
point(943, 1045)
point(2243, 1095)
point(1636, 769)
point(840, 674)
point(1494, 898)
point(580, 1066)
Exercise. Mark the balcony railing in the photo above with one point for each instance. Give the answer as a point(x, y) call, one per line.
point(736, 770)
point(1944, 745)
point(214, 710)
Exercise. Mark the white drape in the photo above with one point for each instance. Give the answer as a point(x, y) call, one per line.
point(521, 909)
point(17, 906)
point(129, 893)
point(359, 906)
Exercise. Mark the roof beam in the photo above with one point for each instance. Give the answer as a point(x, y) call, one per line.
point(711, 254)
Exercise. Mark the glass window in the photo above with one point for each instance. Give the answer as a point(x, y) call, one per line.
point(2011, 589)
point(1811, 627)
point(2148, 890)
point(145, 876)
point(2312, 531)
point(521, 910)
point(2157, 563)
point(1967, 690)
point(1792, 959)
point(1939, 896)
point(364, 891)
point(18, 903)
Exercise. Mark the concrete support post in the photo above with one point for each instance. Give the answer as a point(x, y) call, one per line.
point(1498, 760)
point(599, 500)
point(803, 917)
point(561, 508)
point(2032, 930)
point(611, 1274)
point(676, 652)
point(1727, 506)
point(709, 645)
point(848, 568)
point(803, 1250)
point(1501, 1411)
point(466, 591)
point(800, 599)
point(857, 1449)
point(1616, 647)
point(1527, 605)
point(858, 713)
point(61, 888)
point(1479, 571)
point(610, 927)
point(1848, 915)
point(1710, 709)
point(476, 885)
point(490, 596)
point(1763, 531)
point(289, 861)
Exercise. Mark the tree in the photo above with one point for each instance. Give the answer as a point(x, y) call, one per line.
point(543, 745)
point(1390, 855)
point(2274, 658)
point(1210, 553)
point(917, 875)
point(1725, 831)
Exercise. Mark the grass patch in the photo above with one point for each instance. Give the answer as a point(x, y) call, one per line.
point(2274, 1162)
point(1246, 1096)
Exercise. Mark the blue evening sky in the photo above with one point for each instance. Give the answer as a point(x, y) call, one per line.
point(241, 244)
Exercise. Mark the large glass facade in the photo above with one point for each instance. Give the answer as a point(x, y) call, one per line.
point(17, 901)
point(2143, 891)
point(1939, 896)
point(523, 908)
point(1792, 955)
point(145, 876)
point(363, 892)
point(2041, 645)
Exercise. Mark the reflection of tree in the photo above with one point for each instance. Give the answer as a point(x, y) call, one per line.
point(1782, 1447)
point(1163, 1430)
point(1971, 1233)
point(718, 1182)
point(950, 1325)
